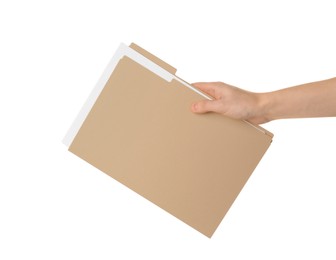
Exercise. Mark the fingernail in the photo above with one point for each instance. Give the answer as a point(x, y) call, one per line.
point(194, 107)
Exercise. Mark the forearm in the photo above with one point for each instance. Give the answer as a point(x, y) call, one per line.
point(316, 99)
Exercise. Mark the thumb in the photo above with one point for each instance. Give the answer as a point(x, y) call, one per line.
point(205, 106)
point(210, 88)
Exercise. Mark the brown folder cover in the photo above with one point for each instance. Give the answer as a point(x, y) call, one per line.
point(142, 133)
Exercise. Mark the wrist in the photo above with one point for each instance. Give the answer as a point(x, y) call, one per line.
point(265, 106)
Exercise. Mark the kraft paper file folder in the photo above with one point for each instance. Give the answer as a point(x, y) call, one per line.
point(137, 127)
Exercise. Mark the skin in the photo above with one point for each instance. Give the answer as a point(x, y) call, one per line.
point(316, 99)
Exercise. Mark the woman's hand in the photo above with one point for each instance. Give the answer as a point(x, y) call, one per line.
point(230, 101)
point(315, 99)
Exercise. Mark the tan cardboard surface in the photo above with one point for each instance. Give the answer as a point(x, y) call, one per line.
point(142, 133)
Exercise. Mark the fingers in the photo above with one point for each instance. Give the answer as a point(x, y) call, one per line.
point(210, 88)
point(205, 106)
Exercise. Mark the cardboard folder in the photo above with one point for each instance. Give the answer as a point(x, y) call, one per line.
point(137, 127)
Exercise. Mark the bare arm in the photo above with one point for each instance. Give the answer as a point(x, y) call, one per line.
point(316, 99)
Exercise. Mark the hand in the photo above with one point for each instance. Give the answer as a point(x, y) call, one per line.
point(230, 101)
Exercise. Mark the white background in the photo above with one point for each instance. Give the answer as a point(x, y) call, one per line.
point(53, 205)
